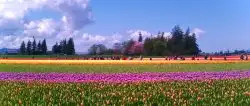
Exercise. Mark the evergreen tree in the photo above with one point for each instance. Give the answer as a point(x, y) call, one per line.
point(28, 48)
point(176, 43)
point(55, 48)
point(70, 47)
point(22, 48)
point(187, 33)
point(148, 46)
point(59, 48)
point(195, 47)
point(39, 48)
point(162, 38)
point(34, 47)
point(44, 47)
point(64, 46)
point(140, 39)
point(187, 42)
point(159, 48)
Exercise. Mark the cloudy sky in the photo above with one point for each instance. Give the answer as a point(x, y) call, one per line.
point(219, 24)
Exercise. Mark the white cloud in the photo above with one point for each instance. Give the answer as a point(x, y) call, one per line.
point(16, 9)
point(198, 32)
point(134, 34)
point(12, 41)
point(93, 38)
point(42, 28)
point(75, 13)
point(15, 27)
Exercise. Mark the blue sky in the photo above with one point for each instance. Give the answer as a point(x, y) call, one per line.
point(225, 24)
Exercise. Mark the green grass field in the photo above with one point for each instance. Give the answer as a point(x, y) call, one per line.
point(123, 68)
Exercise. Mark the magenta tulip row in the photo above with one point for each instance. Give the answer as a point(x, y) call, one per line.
point(123, 77)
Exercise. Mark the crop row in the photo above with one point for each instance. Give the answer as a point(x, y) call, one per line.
point(209, 92)
point(123, 77)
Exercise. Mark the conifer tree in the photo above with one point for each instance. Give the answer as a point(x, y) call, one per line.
point(140, 37)
point(22, 48)
point(70, 47)
point(44, 47)
point(39, 48)
point(34, 46)
point(28, 48)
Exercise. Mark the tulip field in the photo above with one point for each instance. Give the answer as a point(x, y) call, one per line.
point(162, 83)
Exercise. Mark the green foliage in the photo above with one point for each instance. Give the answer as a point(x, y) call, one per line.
point(159, 48)
point(34, 47)
point(156, 46)
point(39, 48)
point(177, 41)
point(148, 46)
point(28, 48)
point(55, 48)
point(65, 47)
point(22, 48)
point(44, 47)
point(189, 93)
point(194, 48)
point(70, 47)
point(179, 44)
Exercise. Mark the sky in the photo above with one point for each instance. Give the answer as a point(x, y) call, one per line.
point(218, 24)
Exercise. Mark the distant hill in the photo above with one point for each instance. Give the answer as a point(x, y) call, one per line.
point(8, 51)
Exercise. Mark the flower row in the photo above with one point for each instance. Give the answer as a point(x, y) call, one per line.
point(123, 77)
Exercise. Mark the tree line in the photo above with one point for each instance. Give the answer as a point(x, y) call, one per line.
point(64, 47)
point(32, 48)
point(180, 43)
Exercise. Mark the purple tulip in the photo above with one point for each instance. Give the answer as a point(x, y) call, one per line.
point(123, 77)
